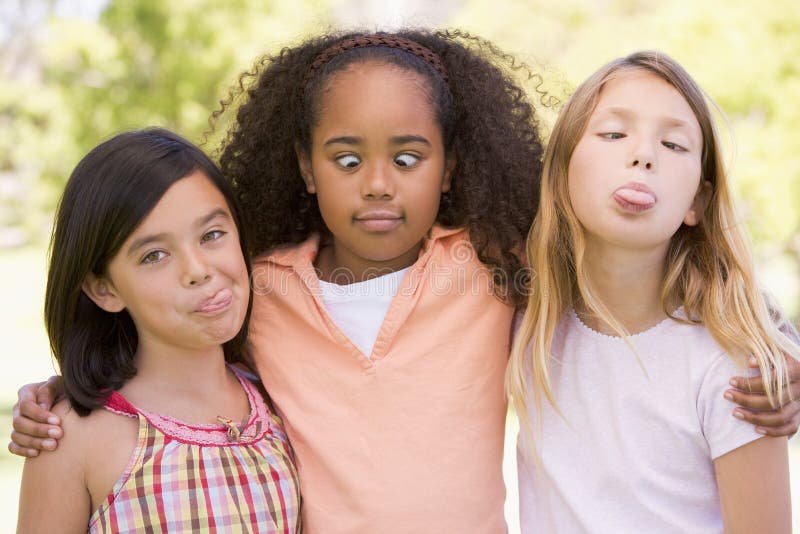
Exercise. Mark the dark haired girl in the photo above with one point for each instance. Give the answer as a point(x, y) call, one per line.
point(147, 298)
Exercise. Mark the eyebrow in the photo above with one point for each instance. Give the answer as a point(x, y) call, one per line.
point(396, 140)
point(405, 139)
point(344, 140)
point(624, 112)
point(202, 221)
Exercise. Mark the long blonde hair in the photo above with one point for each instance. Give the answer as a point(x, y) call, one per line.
point(708, 268)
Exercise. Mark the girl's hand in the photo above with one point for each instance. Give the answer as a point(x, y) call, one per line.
point(754, 406)
point(36, 428)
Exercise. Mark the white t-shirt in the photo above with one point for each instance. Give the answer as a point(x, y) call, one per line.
point(635, 454)
point(358, 309)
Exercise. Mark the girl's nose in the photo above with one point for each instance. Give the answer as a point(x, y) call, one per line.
point(377, 183)
point(195, 269)
point(643, 156)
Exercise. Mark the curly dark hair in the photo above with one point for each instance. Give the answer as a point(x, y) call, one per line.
point(487, 122)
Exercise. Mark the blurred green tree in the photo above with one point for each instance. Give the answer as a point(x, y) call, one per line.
point(67, 82)
point(744, 54)
point(141, 63)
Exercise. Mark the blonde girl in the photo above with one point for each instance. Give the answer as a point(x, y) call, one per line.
point(643, 306)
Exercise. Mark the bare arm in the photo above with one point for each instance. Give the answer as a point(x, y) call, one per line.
point(53, 495)
point(753, 485)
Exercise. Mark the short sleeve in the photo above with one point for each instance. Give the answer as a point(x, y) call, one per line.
point(723, 431)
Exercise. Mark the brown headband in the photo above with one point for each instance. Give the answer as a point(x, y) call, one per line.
point(400, 43)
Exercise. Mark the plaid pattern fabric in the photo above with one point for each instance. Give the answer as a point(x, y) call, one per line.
point(184, 478)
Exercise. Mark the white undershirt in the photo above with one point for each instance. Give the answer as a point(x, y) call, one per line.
point(358, 309)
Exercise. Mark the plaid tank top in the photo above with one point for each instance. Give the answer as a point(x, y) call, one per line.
point(204, 478)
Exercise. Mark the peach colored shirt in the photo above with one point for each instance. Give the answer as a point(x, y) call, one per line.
point(411, 439)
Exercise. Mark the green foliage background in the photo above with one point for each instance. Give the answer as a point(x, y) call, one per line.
point(68, 82)
point(148, 62)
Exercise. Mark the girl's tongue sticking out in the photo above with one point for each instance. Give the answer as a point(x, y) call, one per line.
point(635, 197)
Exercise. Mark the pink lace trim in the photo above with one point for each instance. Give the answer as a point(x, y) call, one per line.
point(257, 426)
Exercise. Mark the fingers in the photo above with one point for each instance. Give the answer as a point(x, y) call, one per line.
point(46, 394)
point(751, 384)
point(25, 445)
point(788, 430)
point(27, 393)
point(13, 448)
point(35, 426)
point(794, 388)
point(30, 415)
point(794, 369)
point(755, 384)
point(753, 401)
point(31, 436)
point(783, 422)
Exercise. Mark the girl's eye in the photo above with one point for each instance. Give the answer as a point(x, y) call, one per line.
point(612, 135)
point(213, 235)
point(348, 161)
point(154, 256)
point(406, 160)
point(673, 146)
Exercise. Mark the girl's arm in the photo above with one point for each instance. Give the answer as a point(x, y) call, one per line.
point(53, 495)
point(753, 485)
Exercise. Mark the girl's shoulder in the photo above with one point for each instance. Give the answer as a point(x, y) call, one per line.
point(101, 444)
point(84, 432)
point(77, 429)
point(53, 491)
point(69, 458)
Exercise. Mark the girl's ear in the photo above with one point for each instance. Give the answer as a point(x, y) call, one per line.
point(304, 161)
point(699, 205)
point(102, 293)
point(449, 167)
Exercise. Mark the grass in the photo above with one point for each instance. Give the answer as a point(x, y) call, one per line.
point(25, 358)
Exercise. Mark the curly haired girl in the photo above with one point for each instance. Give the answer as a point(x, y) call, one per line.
point(488, 134)
point(397, 175)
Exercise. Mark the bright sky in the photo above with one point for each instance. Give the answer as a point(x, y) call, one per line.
point(23, 15)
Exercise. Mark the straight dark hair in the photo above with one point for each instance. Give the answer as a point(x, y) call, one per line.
point(112, 189)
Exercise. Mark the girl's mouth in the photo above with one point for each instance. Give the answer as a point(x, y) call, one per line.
point(379, 220)
point(218, 302)
point(635, 197)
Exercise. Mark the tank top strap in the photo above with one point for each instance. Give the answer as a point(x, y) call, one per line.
point(118, 404)
point(259, 411)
